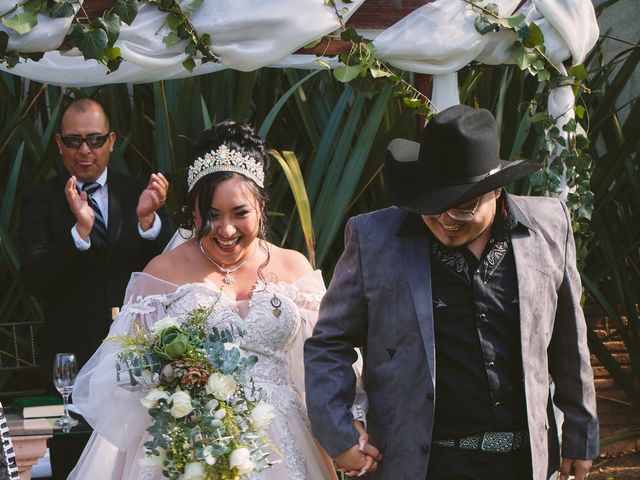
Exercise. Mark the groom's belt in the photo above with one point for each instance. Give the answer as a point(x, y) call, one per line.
point(491, 442)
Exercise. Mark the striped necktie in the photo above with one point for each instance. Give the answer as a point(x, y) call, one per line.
point(99, 231)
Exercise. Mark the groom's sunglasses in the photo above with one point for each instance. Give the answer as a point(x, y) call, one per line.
point(95, 140)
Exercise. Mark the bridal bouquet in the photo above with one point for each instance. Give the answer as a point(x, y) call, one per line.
point(208, 417)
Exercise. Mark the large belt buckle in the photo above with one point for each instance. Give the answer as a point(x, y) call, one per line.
point(497, 442)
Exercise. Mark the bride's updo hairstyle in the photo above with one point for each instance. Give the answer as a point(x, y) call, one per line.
point(238, 138)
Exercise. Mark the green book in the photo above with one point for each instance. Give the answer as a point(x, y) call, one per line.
point(40, 406)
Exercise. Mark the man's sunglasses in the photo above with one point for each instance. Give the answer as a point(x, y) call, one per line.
point(95, 140)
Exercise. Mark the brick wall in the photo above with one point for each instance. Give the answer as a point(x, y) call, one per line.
point(615, 411)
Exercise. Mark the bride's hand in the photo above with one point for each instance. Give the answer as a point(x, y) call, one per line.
point(360, 458)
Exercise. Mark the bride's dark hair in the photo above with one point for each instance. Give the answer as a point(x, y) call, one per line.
point(241, 138)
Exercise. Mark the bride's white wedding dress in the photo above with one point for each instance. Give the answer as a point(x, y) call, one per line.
point(277, 338)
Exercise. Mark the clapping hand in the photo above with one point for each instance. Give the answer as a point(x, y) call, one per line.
point(151, 199)
point(361, 458)
point(79, 205)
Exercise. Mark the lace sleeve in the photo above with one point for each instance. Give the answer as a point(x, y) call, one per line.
point(110, 407)
point(307, 294)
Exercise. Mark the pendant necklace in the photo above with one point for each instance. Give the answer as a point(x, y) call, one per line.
point(228, 278)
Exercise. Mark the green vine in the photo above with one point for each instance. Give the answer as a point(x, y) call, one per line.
point(562, 153)
point(367, 73)
point(96, 38)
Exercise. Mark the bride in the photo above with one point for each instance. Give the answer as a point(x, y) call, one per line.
point(270, 292)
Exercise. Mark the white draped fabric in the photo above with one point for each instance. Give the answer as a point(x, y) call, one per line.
point(438, 38)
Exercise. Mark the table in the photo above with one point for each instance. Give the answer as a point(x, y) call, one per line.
point(29, 437)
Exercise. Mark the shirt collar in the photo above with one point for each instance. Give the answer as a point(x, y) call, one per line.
point(102, 180)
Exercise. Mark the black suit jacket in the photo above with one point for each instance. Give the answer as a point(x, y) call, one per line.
point(78, 288)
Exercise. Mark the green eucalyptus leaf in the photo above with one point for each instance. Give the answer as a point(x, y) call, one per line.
point(189, 64)
point(21, 22)
point(171, 39)
point(346, 73)
point(93, 43)
point(127, 10)
point(62, 10)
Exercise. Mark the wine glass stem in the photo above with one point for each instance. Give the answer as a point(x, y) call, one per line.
point(65, 401)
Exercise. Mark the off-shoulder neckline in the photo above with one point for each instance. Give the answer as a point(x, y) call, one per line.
point(313, 273)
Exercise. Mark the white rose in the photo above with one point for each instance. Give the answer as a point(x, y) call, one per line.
point(181, 404)
point(262, 415)
point(151, 400)
point(154, 462)
point(194, 471)
point(164, 323)
point(240, 458)
point(221, 386)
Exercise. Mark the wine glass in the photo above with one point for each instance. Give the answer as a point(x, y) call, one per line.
point(65, 369)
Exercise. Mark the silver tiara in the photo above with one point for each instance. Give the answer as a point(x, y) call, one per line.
point(223, 159)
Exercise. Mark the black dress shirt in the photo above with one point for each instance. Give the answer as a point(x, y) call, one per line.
point(477, 333)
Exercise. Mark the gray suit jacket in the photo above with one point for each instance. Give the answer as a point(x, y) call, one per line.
point(380, 299)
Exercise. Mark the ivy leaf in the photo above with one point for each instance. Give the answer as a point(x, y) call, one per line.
point(21, 22)
point(62, 10)
point(538, 117)
point(35, 6)
point(174, 21)
point(312, 44)
point(113, 53)
point(351, 35)
point(484, 25)
point(533, 36)
point(93, 43)
point(346, 73)
point(513, 22)
point(193, 6)
point(171, 39)
point(578, 71)
point(543, 75)
point(127, 10)
point(191, 49)
point(205, 38)
point(112, 27)
point(189, 64)
point(377, 72)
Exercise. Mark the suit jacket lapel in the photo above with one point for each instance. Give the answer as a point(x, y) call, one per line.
point(417, 264)
point(524, 251)
point(115, 211)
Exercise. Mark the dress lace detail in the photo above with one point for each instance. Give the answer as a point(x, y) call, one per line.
point(271, 338)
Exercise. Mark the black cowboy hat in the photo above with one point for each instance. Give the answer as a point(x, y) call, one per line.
point(456, 161)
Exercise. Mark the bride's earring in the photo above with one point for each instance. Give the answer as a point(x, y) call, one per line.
point(276, 303)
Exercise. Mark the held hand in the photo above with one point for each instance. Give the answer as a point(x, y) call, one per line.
point(360, 458)
point(579, 468)
point(80, 208)
point(151, 199)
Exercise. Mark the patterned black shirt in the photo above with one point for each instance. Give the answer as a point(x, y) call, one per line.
point(477, 333)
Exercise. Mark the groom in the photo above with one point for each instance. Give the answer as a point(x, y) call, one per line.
point(466, 302)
